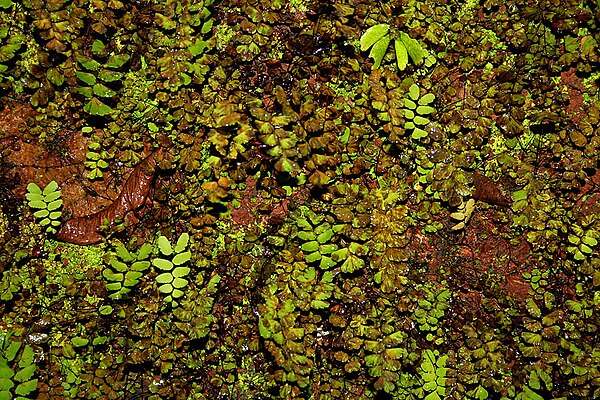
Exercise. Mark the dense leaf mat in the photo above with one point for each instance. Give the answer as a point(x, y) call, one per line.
point(299, 199)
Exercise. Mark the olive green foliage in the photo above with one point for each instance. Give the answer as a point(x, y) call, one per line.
point(274, 131)
point(48, 203)
point(11, 44)
point(318, 226)
point(482, 356)
point(125, 268)
point(433, 372)
point(583, 239)
point(93, 79)
point(291, 345)
point(316, 236)
point(430, 312)
point(384, 353)
point(97, 159)
point(14, 43)
point(17, 368)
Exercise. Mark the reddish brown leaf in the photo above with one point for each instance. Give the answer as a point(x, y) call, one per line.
point(86, 229)
point(487, 190)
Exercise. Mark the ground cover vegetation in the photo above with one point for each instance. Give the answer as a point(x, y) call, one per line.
point(299, 199)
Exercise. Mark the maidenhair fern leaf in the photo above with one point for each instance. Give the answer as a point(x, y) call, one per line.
point(414, 49)
point(182, 242)
point(373, 35)
point(96, 107)
point(164, 245)
point(401, 55)
point(378, 51)
point(163, 264)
